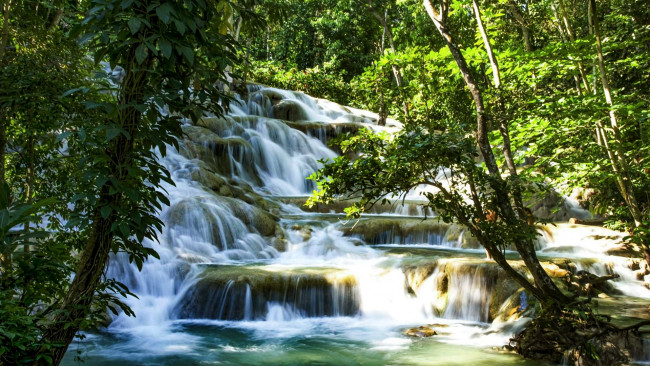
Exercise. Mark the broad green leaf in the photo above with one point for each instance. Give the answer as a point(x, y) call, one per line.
point(141, 53)
point(105, 211)
point(163, 12)
point(165, 48)
point(134, 25)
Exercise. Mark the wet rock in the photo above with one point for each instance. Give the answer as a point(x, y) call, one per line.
point(305, 232)
point(238, 292)
point(214, 151)
point(279, 243)
point(225, 191)
point(325, 131)
point(221, 126)
point(207, 137)
point(397, 231)
point(272, 94)
point(420, 332)
point(462, 238)
point(578, 338)
point(289, 110)
point(555, 270)
point(254, 217)
point(207, 178)
point(588, 284)
point(550, 205)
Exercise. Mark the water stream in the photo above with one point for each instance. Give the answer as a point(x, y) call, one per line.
point(247, 276)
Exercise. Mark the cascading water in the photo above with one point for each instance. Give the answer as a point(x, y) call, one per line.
point(246, 276)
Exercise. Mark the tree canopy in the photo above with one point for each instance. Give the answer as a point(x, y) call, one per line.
point(500, 99)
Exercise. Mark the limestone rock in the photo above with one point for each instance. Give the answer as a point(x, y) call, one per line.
point(420, 332)
point(235, 292)
point(289, 110)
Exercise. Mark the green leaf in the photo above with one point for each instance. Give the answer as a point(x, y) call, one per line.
point(165, 48)
point(63, 136)
point(134, 25)
point(105, 211)
point(126, 3)
point(180, 26)
point(111, 133)
point(124, 229)
point(141, 53)
point(163, 12)
point(189, 54)
point(100, 181)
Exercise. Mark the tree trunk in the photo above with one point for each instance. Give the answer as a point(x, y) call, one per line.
point(547, 290)
point(389, 34)
point(4, 119)
point(268, 44)
point(94, 257)
point(496, 75)
point(617, 156)
point(58, 15)
point(564, 37)
point(4, 38)
point(238, 28)
point(29, 184)
point(572, 38)
point(3, 143)
point(382, 105)
point(488, 47)
point(525, 32)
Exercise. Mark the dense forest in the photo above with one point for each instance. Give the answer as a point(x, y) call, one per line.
point(511, 98)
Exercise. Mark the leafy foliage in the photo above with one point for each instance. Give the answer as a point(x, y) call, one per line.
point(322, 82)
point(91, 135)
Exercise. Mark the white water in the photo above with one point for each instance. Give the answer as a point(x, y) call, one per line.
point(204, 228)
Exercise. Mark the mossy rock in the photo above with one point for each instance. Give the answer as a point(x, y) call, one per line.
point(205, 136)
point(391, 230)
point(208, 178)
point(274, 95)
point(289, 110)
point(214, 151)
point(420, 332)
point(254, 217)
point(462, 237)
point(221, 125)
point(325, 131)
point(225, 292)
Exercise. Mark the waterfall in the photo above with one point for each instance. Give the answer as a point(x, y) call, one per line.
point(244, 270)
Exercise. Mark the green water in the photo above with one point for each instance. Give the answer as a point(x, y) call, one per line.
point(336, 341)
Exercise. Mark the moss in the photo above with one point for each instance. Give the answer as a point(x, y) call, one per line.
point(254, 217)
point(420, 332)
point(224, 292)
point(462, 237)
point(179, 212)
point(289, 110)
point(396, 230)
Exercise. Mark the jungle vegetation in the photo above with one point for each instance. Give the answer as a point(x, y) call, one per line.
point(507, 96)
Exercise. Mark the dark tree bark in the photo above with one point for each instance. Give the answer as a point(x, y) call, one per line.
point(94, 257)
point(397, 73)
point(525, 32)
point(616, 154)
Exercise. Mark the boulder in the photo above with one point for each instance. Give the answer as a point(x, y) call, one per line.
point(289, 110)
point(420, 332)
point(237, 292)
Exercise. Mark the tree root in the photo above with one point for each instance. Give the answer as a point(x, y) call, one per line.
point(577, 336)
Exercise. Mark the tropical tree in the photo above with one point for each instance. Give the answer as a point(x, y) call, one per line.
point(469, 180)
point(164, 61)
